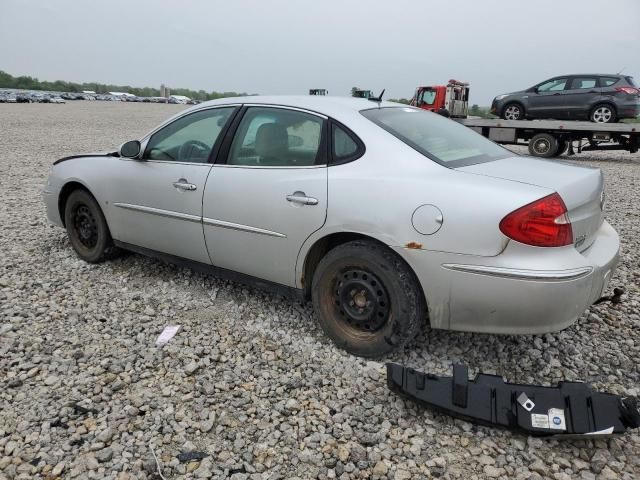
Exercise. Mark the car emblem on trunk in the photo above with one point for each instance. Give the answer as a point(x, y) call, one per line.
point(580, 240)
point(602, 200)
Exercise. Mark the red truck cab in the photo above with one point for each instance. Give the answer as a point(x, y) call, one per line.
point(450, 100)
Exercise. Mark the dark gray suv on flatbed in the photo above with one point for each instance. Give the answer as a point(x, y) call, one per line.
point(597, 97)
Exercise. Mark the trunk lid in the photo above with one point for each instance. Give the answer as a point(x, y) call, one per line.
point(581, 189)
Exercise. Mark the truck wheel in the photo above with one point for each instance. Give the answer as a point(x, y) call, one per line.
point(543, 145)
point(87, 228)
point(603, 113)
point(367, 299)
point(513, 111)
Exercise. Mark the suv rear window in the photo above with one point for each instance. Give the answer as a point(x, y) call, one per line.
point(630, 81)
point(442, 140)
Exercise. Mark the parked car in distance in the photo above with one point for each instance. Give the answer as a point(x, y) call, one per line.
point(56, 99)
point(600, 98)
point(284, 192)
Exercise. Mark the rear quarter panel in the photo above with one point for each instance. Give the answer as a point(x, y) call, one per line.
point(377, 195)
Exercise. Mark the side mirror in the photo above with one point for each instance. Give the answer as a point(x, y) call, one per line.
point(130, 149)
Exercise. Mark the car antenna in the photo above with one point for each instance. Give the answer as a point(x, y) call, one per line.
point(621, 70)
point(379, 98)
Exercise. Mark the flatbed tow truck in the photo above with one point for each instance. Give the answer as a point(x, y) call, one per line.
point(551, 138)
point(545, 138)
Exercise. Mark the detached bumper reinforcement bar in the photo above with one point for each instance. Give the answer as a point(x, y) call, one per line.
point(571, 408)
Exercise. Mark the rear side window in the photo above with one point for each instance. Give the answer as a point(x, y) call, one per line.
point(583, 82)
point(345, 145)
point(442, 140)
point(608, 81)
point(274, 137)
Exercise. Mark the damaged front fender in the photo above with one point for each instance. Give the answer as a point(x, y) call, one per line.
point(571, 408)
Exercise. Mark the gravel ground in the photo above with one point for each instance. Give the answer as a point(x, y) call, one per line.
point(250, 379)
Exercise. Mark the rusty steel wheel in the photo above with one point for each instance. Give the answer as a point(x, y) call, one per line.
point(367, 299)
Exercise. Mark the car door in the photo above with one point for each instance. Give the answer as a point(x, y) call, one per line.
point(268, 193)
point(582, 93)
point(156, 200)
point(548, 100)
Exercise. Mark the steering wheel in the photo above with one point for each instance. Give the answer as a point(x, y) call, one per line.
point(193, 150)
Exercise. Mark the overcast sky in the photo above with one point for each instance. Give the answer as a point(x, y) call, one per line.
point(287, 46)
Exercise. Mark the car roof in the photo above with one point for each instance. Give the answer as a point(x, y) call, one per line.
point(592, 75)
point(327, 105)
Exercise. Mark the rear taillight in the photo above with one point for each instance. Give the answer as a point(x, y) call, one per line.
point(628, 90)
point(543, 223)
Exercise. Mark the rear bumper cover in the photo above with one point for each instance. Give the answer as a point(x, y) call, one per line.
point(523, 290)
point(571, 408)
point(628, 110)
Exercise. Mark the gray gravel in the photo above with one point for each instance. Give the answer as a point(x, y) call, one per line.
point(250, 379)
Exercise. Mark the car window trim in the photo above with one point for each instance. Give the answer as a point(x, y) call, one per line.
point(360, 146)
point(144, 142)
point(321, 158)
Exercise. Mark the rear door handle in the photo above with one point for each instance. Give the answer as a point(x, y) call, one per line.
point(302, 199)
point(182, 184)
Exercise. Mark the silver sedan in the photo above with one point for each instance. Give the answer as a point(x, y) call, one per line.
point(388, 217)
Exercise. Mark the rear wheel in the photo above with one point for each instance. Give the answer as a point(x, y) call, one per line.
point(513, 111)
point(367, 299)
point(87, 228)
point(603, 114)
point(543, 145)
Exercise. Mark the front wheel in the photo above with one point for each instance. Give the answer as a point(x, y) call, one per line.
point(603, 114)
point(513, 111)
point(367, 299)
point(87, 228)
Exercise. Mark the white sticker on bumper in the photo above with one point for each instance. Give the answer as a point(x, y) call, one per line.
point(539, 421)
point(556, 419)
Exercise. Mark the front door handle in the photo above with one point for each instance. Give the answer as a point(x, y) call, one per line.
point(182, 184)
point(302, 199)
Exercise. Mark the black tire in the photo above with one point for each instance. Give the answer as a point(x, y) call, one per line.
point(543, 145)
point(603, 113)
point(513, 111)
point(87, 228)
point(385, 312)
point(563, 146)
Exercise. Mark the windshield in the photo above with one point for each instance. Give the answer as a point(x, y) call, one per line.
point(438, 138)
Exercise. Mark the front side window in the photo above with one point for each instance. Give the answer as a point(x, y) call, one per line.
point(445, 141)
point(428, 97)
point(583, 82)
point(553, 85)
point(275, 137)
point(189, 138)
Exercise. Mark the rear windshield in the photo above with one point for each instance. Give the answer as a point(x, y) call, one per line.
point(630, 81)
point(442, 140)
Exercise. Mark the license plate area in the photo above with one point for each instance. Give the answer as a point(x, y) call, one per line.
point(601, 136)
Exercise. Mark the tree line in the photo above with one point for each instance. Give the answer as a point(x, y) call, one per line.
point(31, 83)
